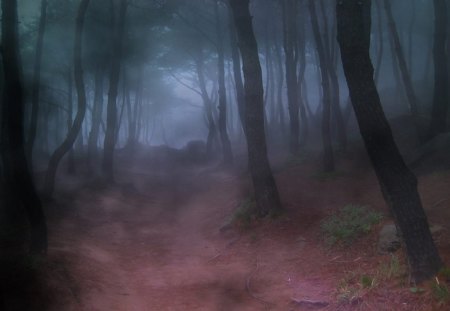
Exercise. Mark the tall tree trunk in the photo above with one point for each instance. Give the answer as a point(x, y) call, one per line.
point(438, 123)
point(207, 102)
point(265, 189)
point(97, 113)
point(49, 183)
point(334, 82)
point(111, 118)
point(300, 78)
point(380, 44)
point(20, 192)
point(397, 182)
point(290, 51)
point(280, 79)
point(71, 155)
point(36, 84)
point(328, 158)
point(406, 77)
point(225, 140)
point(239, 85)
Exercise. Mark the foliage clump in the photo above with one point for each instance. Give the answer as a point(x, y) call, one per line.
point(350, 222)
point(245, 213)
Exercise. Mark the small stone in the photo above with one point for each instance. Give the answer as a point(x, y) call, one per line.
point(388, 240)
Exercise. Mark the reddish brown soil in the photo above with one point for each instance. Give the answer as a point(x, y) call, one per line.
point(159, 240)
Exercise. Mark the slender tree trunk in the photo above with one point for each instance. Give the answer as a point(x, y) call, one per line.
point(280, 79)
point(49, 183)
point(439, 113)
point(111, 118)
point(290, 37)
point(300, 78)
point(397, 182)
point(96, 118)
point(334, 82)
point(36, 84)
point(265, 189)
point(237, 71)
point(19, 189)
point(328, 158)
point(380, 44)
point(71, 156)
point(406, 77)
point(222, 123)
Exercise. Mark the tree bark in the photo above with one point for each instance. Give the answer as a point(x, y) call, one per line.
point(222, 122)
point(49, 183)
point(328, 158)
point(239, 85)
point(406, 77)
point(97, 112)
point(111, 117)
point(265, 189)
point(397, 182)
point(290, 51)
point(19, 189)
point(439, 113)
point(36, 84)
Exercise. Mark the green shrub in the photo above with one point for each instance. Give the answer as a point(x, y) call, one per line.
point(245, 213)
point(349, 223)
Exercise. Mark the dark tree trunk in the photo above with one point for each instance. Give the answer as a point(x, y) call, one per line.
point(328, 158)
point(406, 77)
point(290, 51)
point(73, 133)
point(266, 192)
point(36, 85)
point(222, 122)
point(334, 82)
point(20, 192)
point(280, 79)
point(111, 118)
point(300, 78)
point(397, 182)
point(380, 45)
point(97, 112)
point(71, 155)
point(438, 123)
point(207, 102)
point(237, 71)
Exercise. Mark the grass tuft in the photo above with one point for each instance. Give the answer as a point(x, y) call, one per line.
point(349, 223)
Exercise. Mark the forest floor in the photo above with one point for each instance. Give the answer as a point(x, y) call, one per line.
point(161, 239)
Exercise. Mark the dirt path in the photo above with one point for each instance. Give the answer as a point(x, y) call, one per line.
point(154, 242)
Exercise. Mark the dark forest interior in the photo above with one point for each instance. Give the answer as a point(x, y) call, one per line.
point(224, 155)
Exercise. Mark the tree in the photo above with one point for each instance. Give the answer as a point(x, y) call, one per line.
point(20, 191)
point(405, 74)
point(111, 118)
point(289, 9)
point(67, 144)
point(222, 122)
point(397, 182)
point(328, 159)
point(265, 189)
point(36, 84)
point(438, 122)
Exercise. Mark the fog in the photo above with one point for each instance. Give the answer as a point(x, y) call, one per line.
point(154, 158)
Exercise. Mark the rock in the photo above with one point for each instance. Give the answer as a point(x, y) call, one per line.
point(388, 240)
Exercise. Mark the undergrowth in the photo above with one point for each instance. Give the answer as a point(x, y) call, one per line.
point(347, 224)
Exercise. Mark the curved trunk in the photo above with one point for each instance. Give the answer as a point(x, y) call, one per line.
point(36, 84)
point(397, 182)
point(265, 189)
point(111, 117)
point(19, 189)
point(76, 126)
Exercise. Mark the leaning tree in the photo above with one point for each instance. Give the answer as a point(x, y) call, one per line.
point(398, 184)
